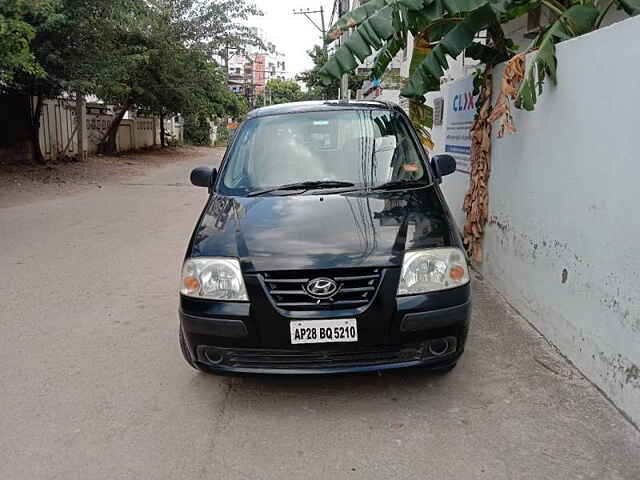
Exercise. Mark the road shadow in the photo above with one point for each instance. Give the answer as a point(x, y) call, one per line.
point(326, 394)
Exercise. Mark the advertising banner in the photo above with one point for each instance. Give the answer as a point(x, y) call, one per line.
point(460, 112)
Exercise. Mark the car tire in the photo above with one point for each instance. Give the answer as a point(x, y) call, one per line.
point(185, 351)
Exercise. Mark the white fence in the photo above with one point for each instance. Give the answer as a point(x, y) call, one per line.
point(562, 241)
point(58, 130)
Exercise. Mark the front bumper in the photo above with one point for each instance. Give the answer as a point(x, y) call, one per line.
point(233, 360)
point(254, 338)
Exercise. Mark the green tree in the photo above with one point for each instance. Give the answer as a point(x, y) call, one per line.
point(155, 55)
point(197, 130)
point(108, 57)
point(176, 72)
point(75, 46)
point(23, 69)
point(233, 105)
point(282, 91)
point(317, 87)
point(19, 23)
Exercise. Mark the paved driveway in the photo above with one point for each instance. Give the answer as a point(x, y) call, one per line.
point(92, 384)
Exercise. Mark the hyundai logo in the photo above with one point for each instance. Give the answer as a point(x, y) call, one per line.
point(322, 287)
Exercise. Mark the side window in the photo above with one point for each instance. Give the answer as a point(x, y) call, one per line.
point(411, 167)
point(404, 163)
point(236, 176)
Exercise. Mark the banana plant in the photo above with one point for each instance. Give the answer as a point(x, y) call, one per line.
point(446, 28)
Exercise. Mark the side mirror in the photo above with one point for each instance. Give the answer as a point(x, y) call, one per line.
point(203, 176)
point(443, 165)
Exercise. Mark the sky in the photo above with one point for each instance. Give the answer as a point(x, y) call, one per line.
point(292, 34)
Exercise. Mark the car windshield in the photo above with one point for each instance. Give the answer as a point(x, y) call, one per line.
point(361, 148)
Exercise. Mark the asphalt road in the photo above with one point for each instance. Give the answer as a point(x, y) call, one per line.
point(93, 386)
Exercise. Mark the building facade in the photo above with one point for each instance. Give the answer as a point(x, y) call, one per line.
point(249, 73)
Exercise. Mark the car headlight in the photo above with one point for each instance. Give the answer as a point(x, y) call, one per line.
point(432, 269)
point(213, 278)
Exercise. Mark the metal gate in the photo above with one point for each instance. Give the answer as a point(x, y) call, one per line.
point(58, 128)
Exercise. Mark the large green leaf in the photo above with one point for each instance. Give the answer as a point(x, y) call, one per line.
point(421, 114)
point(331, 69)
point(421, 48)
point(379, 20)
point(631, 7)
point(486, 55)
point(346, 60)
point(456, 6)
point(426, 77)
point(437, 10)
point(412, 4)
point(354, 17)
point(434, 10)
point(385, 55)
point(575, 21)
point(382, 22)
point(358, 15)
point(517, 8)
point(370, 34)
point(358, 45)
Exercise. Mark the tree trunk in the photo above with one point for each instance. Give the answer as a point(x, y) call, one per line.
point(162, 135)
point(107, 145)
point(476, 201)
point(36, 150)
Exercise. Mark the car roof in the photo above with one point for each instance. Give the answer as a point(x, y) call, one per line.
point(322, 105)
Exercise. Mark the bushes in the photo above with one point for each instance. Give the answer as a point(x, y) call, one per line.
point(197, 130)
point(223, 136)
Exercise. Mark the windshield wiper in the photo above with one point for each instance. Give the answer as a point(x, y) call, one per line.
point(399, 184)
point(303, 186)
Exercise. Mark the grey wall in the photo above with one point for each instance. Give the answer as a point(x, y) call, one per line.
point(563, 240)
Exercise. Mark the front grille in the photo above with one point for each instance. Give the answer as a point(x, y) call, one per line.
point(356, 288)
point(309, 359)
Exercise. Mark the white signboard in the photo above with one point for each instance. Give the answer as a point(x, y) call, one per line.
point(460, 111)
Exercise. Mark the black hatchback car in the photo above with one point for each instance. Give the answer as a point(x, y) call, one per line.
point(325, 246)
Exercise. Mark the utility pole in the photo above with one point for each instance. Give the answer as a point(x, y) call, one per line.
point(321, 27)
point(344, 82)
point(81, 122)
point(226, 57)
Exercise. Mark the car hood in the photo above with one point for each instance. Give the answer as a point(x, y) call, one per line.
point(356, 229)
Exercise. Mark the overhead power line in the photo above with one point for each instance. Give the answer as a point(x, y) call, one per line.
point(321, 27)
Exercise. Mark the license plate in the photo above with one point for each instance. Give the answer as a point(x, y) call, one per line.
point(324, 331)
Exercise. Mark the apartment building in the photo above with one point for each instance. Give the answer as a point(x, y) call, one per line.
point(249, 72)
